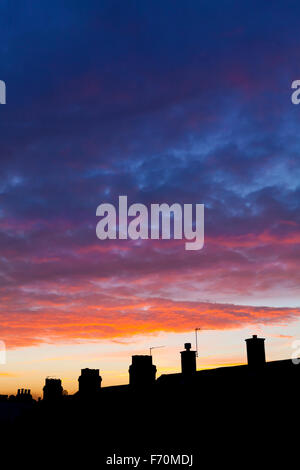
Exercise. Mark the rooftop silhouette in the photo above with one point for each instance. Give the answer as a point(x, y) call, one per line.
point(142, 375)
point(158, 410)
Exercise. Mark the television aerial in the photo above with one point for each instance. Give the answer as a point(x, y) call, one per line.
point(196, 335)
point(155, 347)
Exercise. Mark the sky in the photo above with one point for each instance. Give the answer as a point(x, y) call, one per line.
point(162, 101)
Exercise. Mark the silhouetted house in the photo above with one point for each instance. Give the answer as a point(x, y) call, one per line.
point(53, 390)
point(236, 381)
point(142, 372)
point(256, 351)
point(89, 382)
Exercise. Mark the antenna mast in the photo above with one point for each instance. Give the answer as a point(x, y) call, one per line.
point(155, 347)
point(196, 335)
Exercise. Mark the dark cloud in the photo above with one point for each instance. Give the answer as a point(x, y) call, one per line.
point(164, 102)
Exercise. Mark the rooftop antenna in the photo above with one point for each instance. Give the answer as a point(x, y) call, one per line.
point(155, 347)
point(196, 334)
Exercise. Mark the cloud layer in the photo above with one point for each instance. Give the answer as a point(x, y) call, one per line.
point(163, 102)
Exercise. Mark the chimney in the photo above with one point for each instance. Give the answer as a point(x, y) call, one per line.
point(52, 389)
point(256, 351)
point(89, 382)
point(142, 372)
point(188, 361)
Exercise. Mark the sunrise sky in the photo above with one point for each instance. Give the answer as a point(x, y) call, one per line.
point(162, 101)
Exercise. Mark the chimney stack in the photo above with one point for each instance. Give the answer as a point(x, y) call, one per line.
point(256, 351)
point(188, 361)
point(89, 382)
point(52, 389)
point(142, 372)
